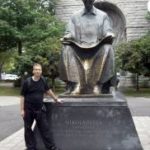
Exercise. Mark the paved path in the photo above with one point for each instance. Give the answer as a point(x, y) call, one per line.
point(142, 125)
point(9, 100)
point(139, 106)
point(10, 119)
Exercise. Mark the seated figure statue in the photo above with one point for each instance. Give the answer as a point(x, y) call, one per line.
point(87, 59)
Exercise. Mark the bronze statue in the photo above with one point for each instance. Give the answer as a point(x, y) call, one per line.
point(87, 60)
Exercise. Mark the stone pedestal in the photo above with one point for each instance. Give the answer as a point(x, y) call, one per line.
point(91, 123)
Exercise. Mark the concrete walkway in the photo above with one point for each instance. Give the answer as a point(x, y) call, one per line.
point(9, 100)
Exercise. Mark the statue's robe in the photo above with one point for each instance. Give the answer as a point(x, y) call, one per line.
point(93, 65)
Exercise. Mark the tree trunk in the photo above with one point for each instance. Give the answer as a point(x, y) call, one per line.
point(0, 74)
point(137, 82)
point(53, 84)
point(1, 66)
point(20, 47)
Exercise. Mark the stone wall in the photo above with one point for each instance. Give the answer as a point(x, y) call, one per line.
point(133, 10)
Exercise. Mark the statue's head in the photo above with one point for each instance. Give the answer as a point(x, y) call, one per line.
point(88, 4)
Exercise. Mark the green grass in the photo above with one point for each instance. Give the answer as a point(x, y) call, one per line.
point(12, 91)
point(143, 92)
point(9, 91)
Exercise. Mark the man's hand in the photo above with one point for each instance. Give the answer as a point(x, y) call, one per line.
point(50, 93)
point(23, 113)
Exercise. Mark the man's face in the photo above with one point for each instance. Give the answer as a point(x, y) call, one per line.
point(88, 4)
point(37, 71)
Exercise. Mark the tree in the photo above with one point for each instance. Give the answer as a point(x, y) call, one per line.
point(32, 27)
point(5, 58)
point(46, 52)
point(24, 21)
point(134, 56)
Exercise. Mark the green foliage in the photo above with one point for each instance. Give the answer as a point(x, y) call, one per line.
point(5, 61)
point(24, 21)
point(134, 56)
point(5, 57)
point(45, 52)
point(32, 28)
point(148, 16)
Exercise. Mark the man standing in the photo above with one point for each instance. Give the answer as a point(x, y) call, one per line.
point(32, 94)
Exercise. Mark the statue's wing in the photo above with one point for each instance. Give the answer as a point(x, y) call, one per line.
point(117, 19)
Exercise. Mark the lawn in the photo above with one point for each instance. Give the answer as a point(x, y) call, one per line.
point(9, 91)
point(12, 91)
point(143, 92)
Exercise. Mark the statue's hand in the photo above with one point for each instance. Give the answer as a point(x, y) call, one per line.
point(67, 37)
point(108, 39)
point(61, 39)
point(110, 34)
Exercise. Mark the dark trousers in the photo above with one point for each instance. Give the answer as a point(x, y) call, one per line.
point(42, 124)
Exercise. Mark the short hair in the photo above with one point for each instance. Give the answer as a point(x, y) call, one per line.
point(37, 64)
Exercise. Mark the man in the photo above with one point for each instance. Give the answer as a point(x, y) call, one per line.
point(87, 65)
point(32, 94)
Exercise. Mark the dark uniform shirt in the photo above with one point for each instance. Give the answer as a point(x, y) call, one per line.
point(33, 93)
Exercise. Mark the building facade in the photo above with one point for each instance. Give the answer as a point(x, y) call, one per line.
point(134, 12)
